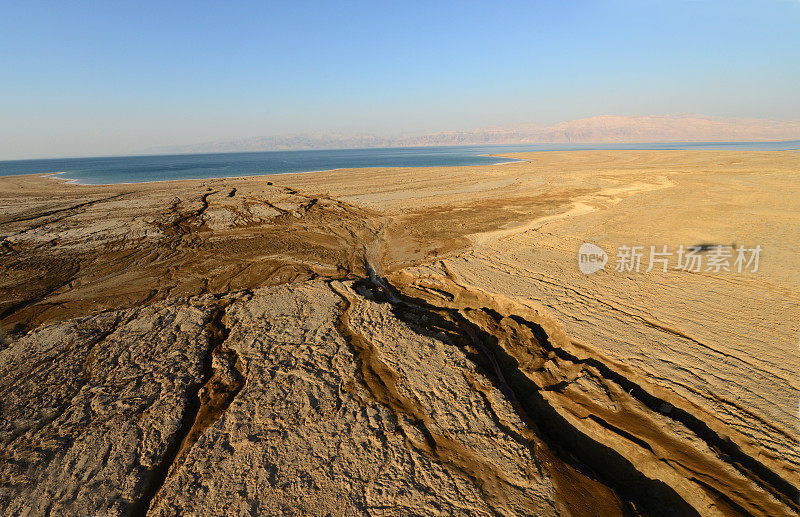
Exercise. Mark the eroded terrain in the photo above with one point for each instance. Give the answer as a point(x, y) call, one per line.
point(402, 341)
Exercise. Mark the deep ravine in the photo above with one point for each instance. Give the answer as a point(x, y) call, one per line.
point(518, 354)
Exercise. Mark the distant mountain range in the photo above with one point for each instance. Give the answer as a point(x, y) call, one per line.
point(601, 129)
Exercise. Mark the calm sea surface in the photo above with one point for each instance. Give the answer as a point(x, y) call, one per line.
point(137, 169)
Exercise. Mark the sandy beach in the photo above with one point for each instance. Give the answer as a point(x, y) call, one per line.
point(407, 340)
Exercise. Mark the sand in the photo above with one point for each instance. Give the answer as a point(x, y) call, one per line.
point(644, 392)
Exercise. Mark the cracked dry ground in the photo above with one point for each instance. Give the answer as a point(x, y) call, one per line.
point(224, 347)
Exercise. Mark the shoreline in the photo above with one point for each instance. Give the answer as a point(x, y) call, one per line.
point(75, 181)
point(508, 157)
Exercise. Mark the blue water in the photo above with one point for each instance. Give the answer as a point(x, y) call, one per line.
point(137, 169)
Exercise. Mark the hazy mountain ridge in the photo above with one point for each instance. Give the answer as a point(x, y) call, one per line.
point(599, 129)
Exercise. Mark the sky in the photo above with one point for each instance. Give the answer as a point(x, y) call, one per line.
point(117, 77)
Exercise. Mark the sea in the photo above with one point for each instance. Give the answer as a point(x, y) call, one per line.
point(139, 169)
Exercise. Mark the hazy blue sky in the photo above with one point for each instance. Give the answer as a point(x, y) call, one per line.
point(111, 77)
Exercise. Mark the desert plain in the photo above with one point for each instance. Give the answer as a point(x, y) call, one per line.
point(408, 341)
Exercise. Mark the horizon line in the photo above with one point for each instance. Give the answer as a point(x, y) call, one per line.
point(313, 149)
